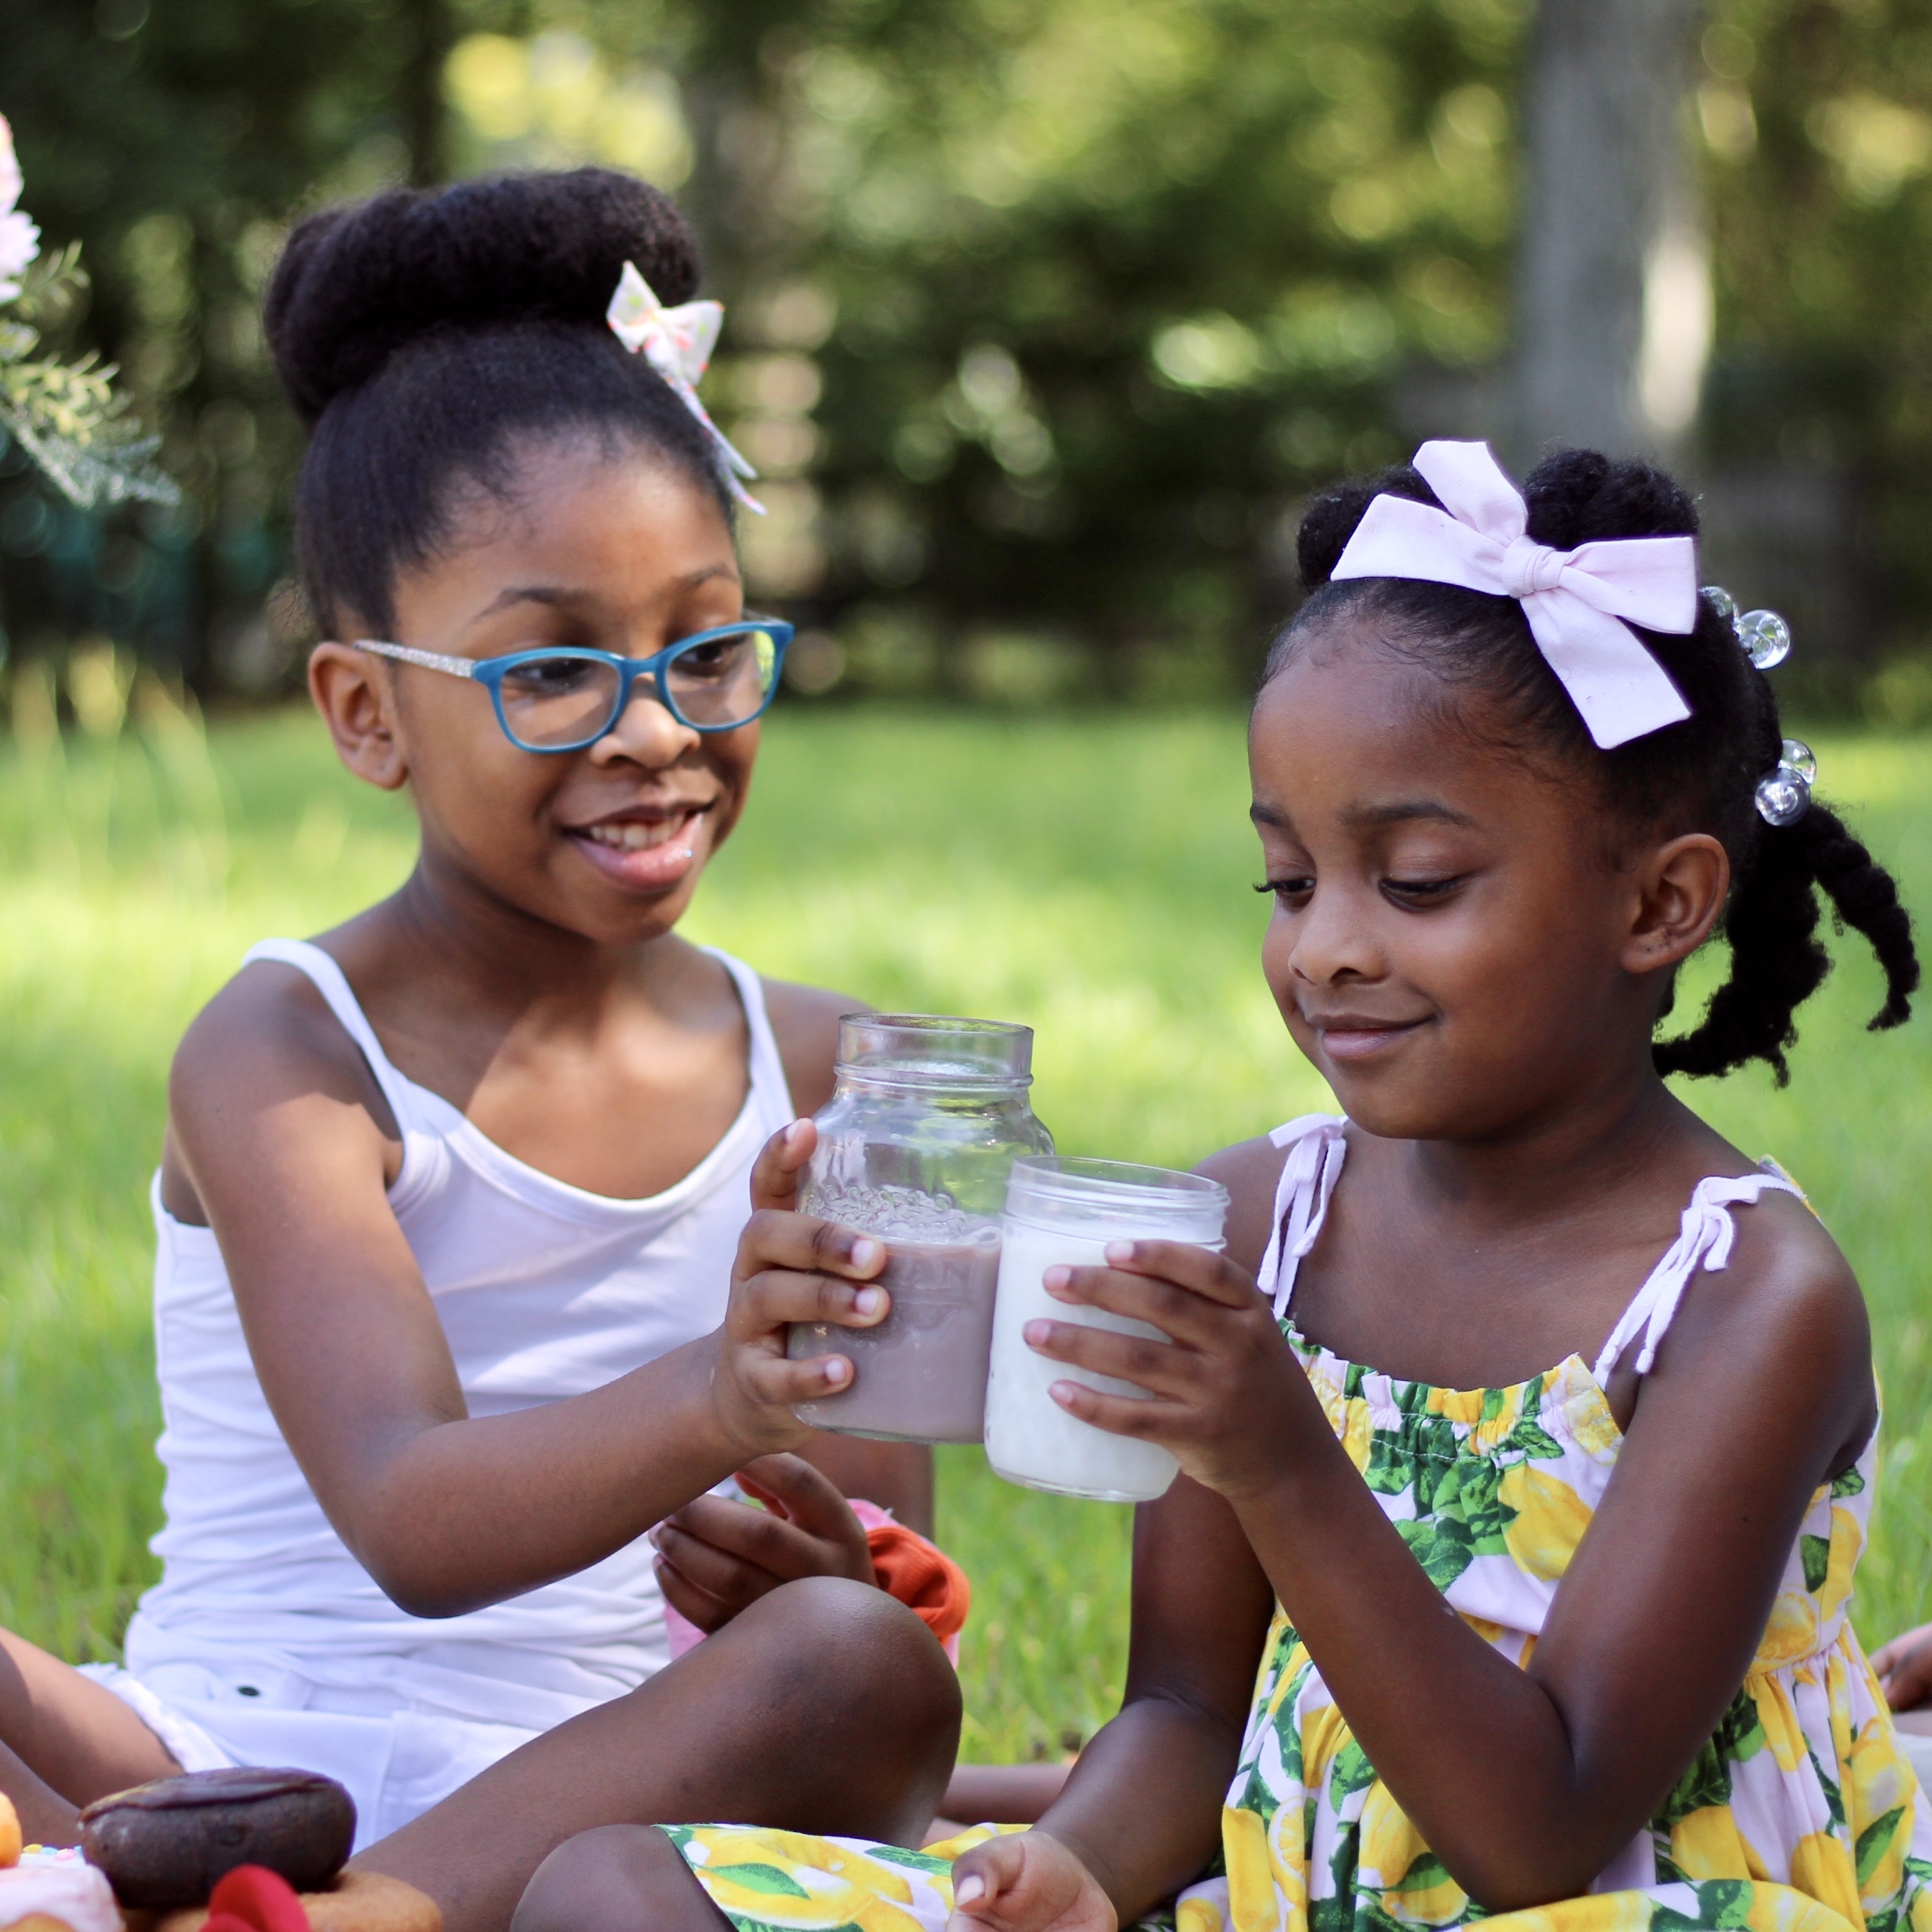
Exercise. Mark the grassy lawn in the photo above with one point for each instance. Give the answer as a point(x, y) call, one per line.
point(1087, 876)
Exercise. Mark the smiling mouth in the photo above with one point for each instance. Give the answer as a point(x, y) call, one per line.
point(1353, 1039)
point(650, 854)
point(640, 835)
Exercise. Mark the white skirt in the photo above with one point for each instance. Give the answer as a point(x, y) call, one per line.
point(396, 1760)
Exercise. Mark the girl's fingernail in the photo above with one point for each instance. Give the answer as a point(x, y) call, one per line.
point(1119, 1253)
point(971, 1889)
point(864, 1253)
point(837, 1370)
point(869, 1301)
point(1062, 1393)
point(1037, 1334)
point(1056, 1277)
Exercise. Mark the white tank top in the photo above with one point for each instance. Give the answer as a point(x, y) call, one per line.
point(544, 1291)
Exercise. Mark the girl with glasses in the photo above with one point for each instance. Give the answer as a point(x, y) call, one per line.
point(456, 1296)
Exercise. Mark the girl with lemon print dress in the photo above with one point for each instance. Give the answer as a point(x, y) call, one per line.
point(1526, 1425)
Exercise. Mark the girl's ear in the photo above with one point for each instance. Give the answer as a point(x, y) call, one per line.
point(1681, 887)
point(358, 704)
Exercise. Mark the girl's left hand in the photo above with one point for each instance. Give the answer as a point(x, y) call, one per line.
point(1026, 1881)
point(1228, 1396)
point(1904, 1667)
point(714, 1556)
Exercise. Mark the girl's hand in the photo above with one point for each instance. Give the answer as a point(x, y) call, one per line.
point(1026, 1881)
point(715, 1556)
point(1228, 1398)
point(1904, 1669)
point(791, 1267)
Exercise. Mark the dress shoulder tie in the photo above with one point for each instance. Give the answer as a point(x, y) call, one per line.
point(1707, 1234)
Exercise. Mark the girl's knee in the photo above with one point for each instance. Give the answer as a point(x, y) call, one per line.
point(617, 1879)
point(870, 1645)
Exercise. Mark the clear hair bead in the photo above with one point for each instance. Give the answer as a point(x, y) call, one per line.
point(1766, 638)
point(1783, 798)
point(1721, 602)
point(1795, 755)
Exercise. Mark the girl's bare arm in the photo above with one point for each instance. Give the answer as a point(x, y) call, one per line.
point(1524, 1782)
point(274, 1122)
point(1140, 1814)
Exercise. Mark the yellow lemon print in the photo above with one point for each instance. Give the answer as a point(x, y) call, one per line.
point(1550, 1521)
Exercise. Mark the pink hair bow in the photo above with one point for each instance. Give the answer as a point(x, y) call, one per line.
point(678, 344)
point(1575, 601)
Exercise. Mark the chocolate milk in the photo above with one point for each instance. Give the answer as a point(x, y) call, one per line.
point(920, 1375)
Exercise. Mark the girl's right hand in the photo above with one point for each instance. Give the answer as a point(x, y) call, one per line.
point(1026, 1881)
point(791, 1267)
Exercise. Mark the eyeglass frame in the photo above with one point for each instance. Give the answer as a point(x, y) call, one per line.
point(491, 672)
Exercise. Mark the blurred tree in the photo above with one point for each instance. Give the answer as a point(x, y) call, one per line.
point(1055, 311)
point(1815, 122)
point(1606, 224)
point(1043, 318)
point(176, 142)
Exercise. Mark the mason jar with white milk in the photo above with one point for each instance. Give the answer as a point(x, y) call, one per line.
point(1061, 1211)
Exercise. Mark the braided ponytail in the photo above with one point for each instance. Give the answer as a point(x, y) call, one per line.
point(1699, 775)
point(1777, 962)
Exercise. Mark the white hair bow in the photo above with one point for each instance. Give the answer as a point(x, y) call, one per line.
point(1575, 600)
point(678, 344)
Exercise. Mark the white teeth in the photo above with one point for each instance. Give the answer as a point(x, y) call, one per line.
point(629, 838)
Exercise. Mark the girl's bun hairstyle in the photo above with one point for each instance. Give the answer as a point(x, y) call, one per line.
point(420, 333)
point(1701, 774)
point(355, 284)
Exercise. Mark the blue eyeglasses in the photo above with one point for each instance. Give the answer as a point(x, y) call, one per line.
point(559, 698)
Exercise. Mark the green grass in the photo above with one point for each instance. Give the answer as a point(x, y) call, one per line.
point(1087, 876)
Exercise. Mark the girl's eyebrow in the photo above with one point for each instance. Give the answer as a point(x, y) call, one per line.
point(1372, 816)
point(558, 594)
point(530, 593)
point(1403, 810)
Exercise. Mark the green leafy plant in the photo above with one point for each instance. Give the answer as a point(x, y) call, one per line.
point(66, 415)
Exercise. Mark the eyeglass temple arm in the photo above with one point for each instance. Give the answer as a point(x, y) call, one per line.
point(429, 660)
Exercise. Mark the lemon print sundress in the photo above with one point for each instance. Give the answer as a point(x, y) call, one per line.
point(1800, 1815)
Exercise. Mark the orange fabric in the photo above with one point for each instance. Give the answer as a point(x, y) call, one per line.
point(922, 1576)
point(252, 1899)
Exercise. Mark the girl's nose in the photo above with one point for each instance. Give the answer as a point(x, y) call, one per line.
point(1332, 941)
point(645, 732)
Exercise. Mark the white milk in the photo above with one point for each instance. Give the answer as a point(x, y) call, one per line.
point(1064, 1210)
point(1030, 1438)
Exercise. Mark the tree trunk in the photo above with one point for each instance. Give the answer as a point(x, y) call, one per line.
point(419, 90)
point(1608, 219)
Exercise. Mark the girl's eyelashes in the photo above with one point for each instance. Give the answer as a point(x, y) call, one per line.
point(1417, 892)
point(1409, 893)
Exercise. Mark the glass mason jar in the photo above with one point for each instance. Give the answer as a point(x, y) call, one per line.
point(1063, 1213)
point(923, 1126)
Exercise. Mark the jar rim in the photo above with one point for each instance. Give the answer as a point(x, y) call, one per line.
point(911, 1050)
point(1073, 1178)
point(934, 1023)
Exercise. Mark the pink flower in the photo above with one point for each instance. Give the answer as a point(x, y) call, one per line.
point(19, 239)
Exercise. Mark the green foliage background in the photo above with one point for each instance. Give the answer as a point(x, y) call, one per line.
point(1044, 317)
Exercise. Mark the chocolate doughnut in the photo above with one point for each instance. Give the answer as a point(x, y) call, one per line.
point(169, 1843)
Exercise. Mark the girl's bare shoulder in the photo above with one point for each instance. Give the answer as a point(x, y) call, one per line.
point(269, 1034)
point(1250, 1171)
point(805, 1025)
